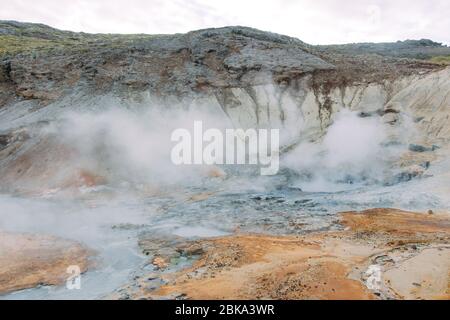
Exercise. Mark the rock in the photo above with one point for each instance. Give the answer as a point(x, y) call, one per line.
point(426, 164)
point(216, 172)
point(160, 263)
point(414, 171)
point(4, 141)
point(418, 148)
point(434, 147)
point(390, 118)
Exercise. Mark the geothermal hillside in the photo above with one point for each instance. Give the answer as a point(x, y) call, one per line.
point(85, 123)
point(250, 77)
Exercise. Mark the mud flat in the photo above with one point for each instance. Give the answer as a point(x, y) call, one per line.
point(30, 260)
point(378, 254)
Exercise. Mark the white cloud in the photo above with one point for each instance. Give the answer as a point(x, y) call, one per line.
point(313, 21)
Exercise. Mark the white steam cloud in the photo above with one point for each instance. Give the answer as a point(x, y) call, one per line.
point(133, 145)
point(353, 151)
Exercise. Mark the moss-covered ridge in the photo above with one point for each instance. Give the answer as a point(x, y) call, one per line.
point(17, 37)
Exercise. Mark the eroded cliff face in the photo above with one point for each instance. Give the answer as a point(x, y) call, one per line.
point(423, 99)
point(248, 78)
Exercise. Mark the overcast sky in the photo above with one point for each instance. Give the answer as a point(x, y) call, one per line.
point(313, 21)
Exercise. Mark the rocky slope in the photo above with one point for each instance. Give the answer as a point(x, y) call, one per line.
point(415, 49)
point(253, 78)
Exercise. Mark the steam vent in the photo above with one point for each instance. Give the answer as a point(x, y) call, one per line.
point(222, 163)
